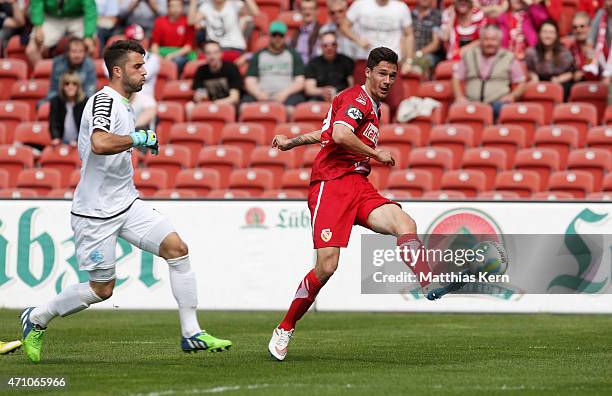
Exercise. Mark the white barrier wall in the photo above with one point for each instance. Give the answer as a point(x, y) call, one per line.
point(251, 255)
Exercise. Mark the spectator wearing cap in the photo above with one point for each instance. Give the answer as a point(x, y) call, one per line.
point(173, 37)
point(306, 39)
point(75, 59)
point(461, 24)
point(337, 18)
point(152, 60)
point(276, 73)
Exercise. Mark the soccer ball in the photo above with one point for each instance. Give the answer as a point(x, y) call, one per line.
point(491, 258)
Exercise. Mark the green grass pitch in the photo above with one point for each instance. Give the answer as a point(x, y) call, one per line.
point(137, 352)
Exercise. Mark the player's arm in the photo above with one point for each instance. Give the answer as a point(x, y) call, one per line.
point(344, 137)
point(283, 143)
point(106, 143)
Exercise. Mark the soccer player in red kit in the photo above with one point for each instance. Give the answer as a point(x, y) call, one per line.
point(340, 194)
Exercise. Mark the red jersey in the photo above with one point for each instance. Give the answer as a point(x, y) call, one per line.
point(353, 108)
point(172, 34)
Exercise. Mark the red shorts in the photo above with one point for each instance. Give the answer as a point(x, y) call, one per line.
point(336, 205)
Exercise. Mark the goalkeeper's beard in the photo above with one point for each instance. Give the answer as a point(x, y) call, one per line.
point(130, 86)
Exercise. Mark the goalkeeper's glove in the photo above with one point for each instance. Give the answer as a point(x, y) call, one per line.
point(145, 139)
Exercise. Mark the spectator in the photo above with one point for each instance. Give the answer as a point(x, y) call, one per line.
point(489, 71)
point(519, 26)
point(218, 81)
point(221, 19)
point(329, 73)
point(76, 60)
point(549, 60)
point(145, 110)
point(142, 12)
point(461, 25)
point(492, 9)
point(305, 41)
point(580, 48)
point(12, 20)
point(337, 16)
point(152, 60)
point(53, 19)
point(276, 73)
point(66, 110)
point(427, 21)
point(600, 37)
point(173, 36)
point(108, 15)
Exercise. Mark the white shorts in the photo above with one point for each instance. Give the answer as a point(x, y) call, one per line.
point(56, 28)
point(96, 239)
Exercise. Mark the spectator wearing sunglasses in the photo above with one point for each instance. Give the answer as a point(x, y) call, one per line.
point(337, 19)
point(66, 110)
point(580, 48)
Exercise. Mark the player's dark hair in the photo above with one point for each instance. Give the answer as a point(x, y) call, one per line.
point(381, 54)
point(117, 53)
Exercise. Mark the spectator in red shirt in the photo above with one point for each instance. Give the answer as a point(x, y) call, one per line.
point(173, 36)
point(580, 48)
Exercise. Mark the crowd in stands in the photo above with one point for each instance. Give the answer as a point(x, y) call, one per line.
point(236, 52)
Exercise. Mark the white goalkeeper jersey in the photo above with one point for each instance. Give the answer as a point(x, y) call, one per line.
point(106, 188)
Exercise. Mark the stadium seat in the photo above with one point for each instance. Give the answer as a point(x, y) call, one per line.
point(488, 160)
point(579, 115)
point(283, 194)
point(171, 158)
point(11, 70)
point(396, 195)
point(552, 195)
point(193, 135)
point(62, 193)
point(444, 70)
point(3, 134)
point(191, 68)
point(43, 69)
point(455, 137)
point(4, 179)
point(42, 113)
point(443, 195)
point(74, 178)
point(16, 193)
point(434, 159)
point(606, 184)
point(413, 181)
point(16, 50)
point(509, 138)
point(310, 154)
point(425, 123)
point(175, 194)
point(476, 115)
point(410, 82)
point(293, 129)
point(385, 114)
point(541, 160)
point(528, 115)
point(403, 137)
point(296, 180)
point(561, 138)
point(596, 161)
point(293, 19)
point(607, 119)
point(313, 112)
point(547, 94)
point(272, 8)
point(202, 181)
point(14, 159)
point(468, 182)
point(30, 92)
point(13, 113)
point(255, 181)
point(168, 71)
point(169, 114)
point(595, 93)
point(578, 183)
point(273, 160)
point(101, 71)
point(230, 193)
point(223, 159)
point(522, 182)
point(498, 195)
point(40, 180)
point(600, 137)
point(383, 170)
point(268, 114)
point(245, 135)
point(148, 181)
point(63, 158)
point(599, 196)
point(178, 91)
point(33, 133)
point(442, 91)
point(260, 30)
point(216, 115)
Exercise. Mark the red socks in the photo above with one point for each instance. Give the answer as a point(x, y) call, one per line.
point(304, 297)
point(413, 243)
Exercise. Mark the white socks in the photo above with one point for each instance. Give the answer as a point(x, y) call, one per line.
point(71, 300)
point(184, 289)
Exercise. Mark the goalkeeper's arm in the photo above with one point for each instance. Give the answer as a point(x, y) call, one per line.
point(104, 143)
point(283, 143)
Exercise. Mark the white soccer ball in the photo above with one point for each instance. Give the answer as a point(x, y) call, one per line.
point(491, 258)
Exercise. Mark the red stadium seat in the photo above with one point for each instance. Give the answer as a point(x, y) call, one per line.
point(260, 30)
point(476, 115)
point(443, 195)
point(175, 194)
point(268, 114)
point(383, 170)
point(509, 138)
point(600, 137)
point(607, 119)
point(11, 70)
point(561, 138)
point(223, 159)
point(216, 115)
point(596, 161)
point(14, 159)
point(400, 136)
point(528, 115)
point(4, 179)
point(3, 134)
point(245, 135)
point(16, 193)
point(30, 92)
point(272, 8)
point(16, 50)
point(33, 133)
point(552, 195)
point(293, 20)
point(410, 82)
point(541, 160)
point(442, 91)
point(191, 68)
point(101, 72)
point(273, 160)
point(433, 159)
point(522, 182)
point(499, 195)
point(425, 123)
point(455, 137)
point(385, 114)
point(193, 135)
point(255, 181)
point(313, 112)
point(43, 69)
point(310, 154)
point(63, 158)
point(488, 160)
point(606, 184)
point(178, 91)
point(62, 193)
point(42, 113)
point(41, 180)
point(171, 158)
point(413, 181)
point(468, 182)
point(294, 129)
point(396, 195)
point(547, 94)
point(580, 115)
point(578, 183)
point(231, 193)
point(13, 113)
point(202, 181)
point(74, 178)
point(444, 70)
point(283, 194)
point(148, 181)
point(296, 180)
point(592, 92)
point(599, 196)
point(168, 71)
point(169, 114)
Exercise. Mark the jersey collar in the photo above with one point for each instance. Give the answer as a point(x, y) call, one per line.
point(116, 95)
point(374, 104)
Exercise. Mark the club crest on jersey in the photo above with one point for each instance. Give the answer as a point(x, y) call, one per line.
point(326, 235)
point(371, 133)
point(102, 109)
point(354, 113)
point(361, 99)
